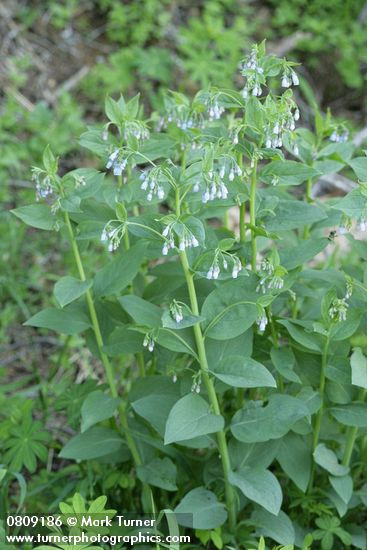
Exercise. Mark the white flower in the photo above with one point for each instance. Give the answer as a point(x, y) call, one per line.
point(285, 81)
point(362, 224)
point(262, 321)
point(295, 78)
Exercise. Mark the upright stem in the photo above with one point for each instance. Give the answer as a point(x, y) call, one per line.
point(352, 435)
point(253, 214)
point(306, 231)
point(222, 443)
point(98, 335)
point(242, 222)
point(126, 234)
point(242, 206)
point(317, 427)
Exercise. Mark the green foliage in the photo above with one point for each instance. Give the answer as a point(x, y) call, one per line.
point(233, 361)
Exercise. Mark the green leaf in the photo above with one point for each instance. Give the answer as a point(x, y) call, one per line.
point(289, 172)
point(278, 528)
point(123, 341)
point(358, 363)
point(260, 486)
point(202, 509)
point(97, 406)
point(291, 214)
point(159, 473)
point(256, 455)
point(68, 289)
point(327, 459)
point(157, 146)
point(189, 320)
point(255, 423)
point(143, 312)
point(94, 443)
point(243, 372)
point(216, 350)
point(229, 310)
point(24, 445)
point(120, 272)
point(121, 212)
point(353, 204)
point(345, 329)
point(304, 251)
point(191, 417)
point(113, 111)
point(359, 167)
point(299, 334)
point(294, 457)
point(49, 161)
point(152, 398)
point(343, 486)
point(66, 321)
point(182, 341)
point(354, 414)
point(284, 361)
point(36, 215)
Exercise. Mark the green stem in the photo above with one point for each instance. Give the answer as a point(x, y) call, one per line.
point(242, 206)
point(226, 220)
point(177, 202)
point(352, 435)
point(141, 364)
point(253, 215)
point(98, 336)
point(222, 443)
point(126, 234)
point(242, 222)
point(318, 420)
point(306, 231)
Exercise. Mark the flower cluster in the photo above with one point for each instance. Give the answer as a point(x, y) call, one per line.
point(271, 277)
point(137, 129)
point(44, 183)
point(339, 135)
point(289, 77)
point(254, 74)
point(338, 309)
point(186, 240)
point(176, 311)
point(112, 235)
point(215, 187)
point(196, 384)
point(214, 110)
point(181, 114)
point(262, 320)
point(226, 261)
point(150, 183)
point(148, 342)
point(346, 224)
point(284, 122)
point(117, 161)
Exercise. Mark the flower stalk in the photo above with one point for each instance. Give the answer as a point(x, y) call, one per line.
point(253, 214)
